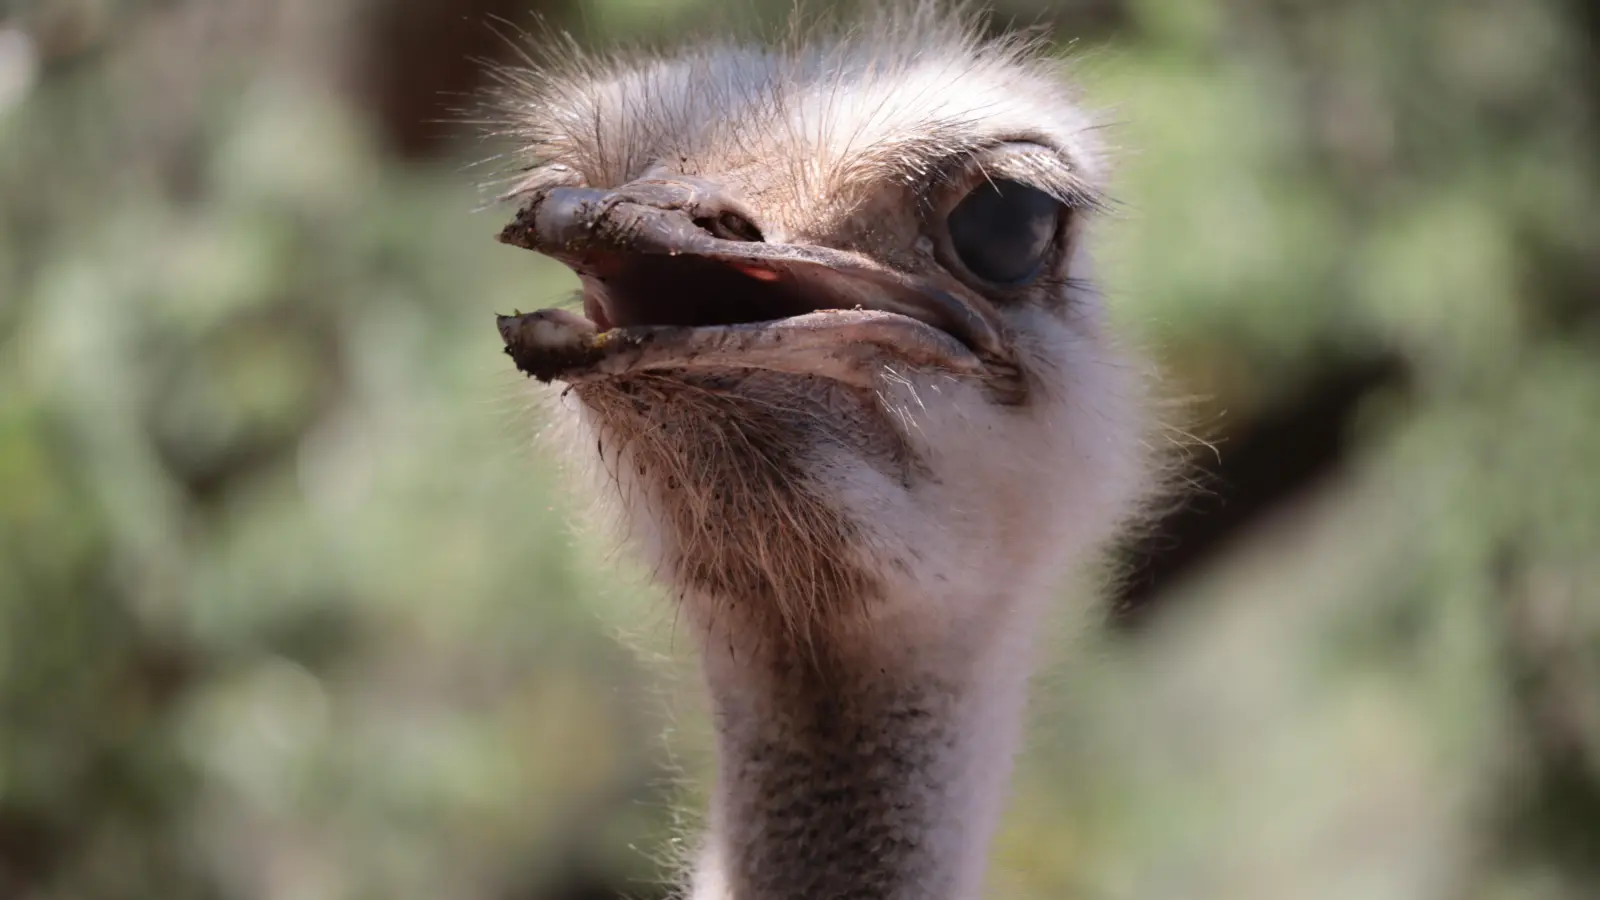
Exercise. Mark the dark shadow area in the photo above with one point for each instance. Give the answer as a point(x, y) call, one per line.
point(1260, 464)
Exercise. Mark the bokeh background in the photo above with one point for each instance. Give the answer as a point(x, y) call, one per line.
point(291, 609)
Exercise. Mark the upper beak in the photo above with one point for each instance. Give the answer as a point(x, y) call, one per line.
point(603, 234)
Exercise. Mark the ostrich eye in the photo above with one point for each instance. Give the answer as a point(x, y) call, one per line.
point(1003, 229)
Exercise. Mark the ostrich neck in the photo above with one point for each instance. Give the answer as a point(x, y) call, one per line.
point(877, 779)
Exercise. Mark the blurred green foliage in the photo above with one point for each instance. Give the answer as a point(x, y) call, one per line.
point(290, 607)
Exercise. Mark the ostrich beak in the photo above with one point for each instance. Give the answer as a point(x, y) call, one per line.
point(662, 291)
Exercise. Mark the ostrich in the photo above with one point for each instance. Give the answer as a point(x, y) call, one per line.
point(841, 378)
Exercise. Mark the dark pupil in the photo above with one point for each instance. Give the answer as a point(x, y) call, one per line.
point(1003, 229)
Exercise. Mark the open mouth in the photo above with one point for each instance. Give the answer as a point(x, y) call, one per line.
point(661, 293)
point(691, 292)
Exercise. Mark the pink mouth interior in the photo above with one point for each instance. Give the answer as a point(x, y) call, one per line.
point(693, 291)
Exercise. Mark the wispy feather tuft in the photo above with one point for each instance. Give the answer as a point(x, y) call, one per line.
point(844, 106)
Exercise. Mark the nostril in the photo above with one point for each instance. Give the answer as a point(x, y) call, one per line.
point(731, 226)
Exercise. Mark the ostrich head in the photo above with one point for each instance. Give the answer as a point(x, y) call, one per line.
point(841, 376)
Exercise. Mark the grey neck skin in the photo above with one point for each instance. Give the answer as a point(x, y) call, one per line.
point(878, 781)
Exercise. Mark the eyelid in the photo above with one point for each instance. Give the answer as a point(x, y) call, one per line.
point(1030, 160)
point(1044, 167)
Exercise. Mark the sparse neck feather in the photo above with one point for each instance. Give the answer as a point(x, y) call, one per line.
point(876, 775)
